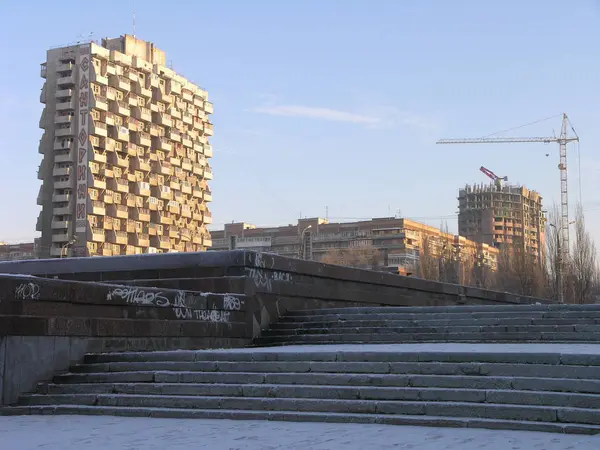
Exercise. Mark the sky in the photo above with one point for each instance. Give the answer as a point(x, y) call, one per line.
point(334, 106)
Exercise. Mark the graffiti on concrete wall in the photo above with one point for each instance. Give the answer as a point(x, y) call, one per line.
point(27, 291)
point(184, 304)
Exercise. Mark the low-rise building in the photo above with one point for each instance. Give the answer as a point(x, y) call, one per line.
point(391, 243)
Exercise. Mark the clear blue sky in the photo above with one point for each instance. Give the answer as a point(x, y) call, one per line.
point(337, 103)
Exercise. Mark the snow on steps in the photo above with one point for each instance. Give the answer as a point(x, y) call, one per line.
point(541, 391)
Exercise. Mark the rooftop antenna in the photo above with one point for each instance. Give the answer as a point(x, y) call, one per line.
point(327, 212)
point(133, 19)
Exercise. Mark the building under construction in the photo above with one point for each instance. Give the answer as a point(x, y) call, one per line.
point(502, 215)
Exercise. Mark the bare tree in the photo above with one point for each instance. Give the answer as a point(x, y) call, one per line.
point(428, 267)
point(583, 267)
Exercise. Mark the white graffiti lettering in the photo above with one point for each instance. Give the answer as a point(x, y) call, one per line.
point(27, 291)
point(137, 296)
point(263, 279)
point(183, 313)
point(231, 303)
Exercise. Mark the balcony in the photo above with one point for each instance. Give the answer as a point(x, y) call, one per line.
point(98, 128)
point(207, 196)
point(60, 237)
point(162, 144)
point(64, 131)
point(141, 240)
point(198, 170)
point(118, 211)
point(43, 70)
point(198, 216)
point(61, 198)
point(198, 101)
point(64, 183)
point(98, 157)
point(198, 124)
point(174, 112)
point(187, 118)
point(99, 102)
point(197, 239)
point(97, 182)
point(120, 185)
point(98, 235)
point(120, 107)
point(142, 138)
point(119, 82)
point(207, 242)
point(187, 141)
point(63, 118)
point(65, 67)
point(97, 208)
point(186, 211)
point(119, 133)
point(172, 231)
point(187, 95)
point(140, 89)
point(108, 197)
point(208, 151)
point(134, 124)
point(163, 119)
point(160, 242)
point(97, 77)
point(208, 129)
point(141, 113)
point(208, 107)
point(63, 210)
point(187, 164)
point(119, 237)
point(67, 105)
point(154, 229)
point(207, 217)
point(132, 100)
point(160, 96)
point(66, 81)
point(140, 164)
point(59, 171)
point(163, 218)
point(197, 192)
point(142, 64)
point(116, 160)
point(63, 94)
point(63, 157)
point(60, 224)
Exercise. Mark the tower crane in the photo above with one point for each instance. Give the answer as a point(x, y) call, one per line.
point(562, 141)
point(498, 180)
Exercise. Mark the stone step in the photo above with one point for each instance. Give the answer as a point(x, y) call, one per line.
point(398, 338)
point(297, 416)
point(151, 371)
point(514, 397)
point(335, 317)
point(438, 329)
point(374, 354)
point(327, 379)
point(435, 408)
point(442, 322)
point(446, 309)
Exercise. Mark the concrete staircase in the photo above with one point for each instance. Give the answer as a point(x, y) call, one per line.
point(539, 388)
point(529, 391)
point(528, 323)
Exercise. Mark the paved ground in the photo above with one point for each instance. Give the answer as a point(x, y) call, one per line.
point(119, 433)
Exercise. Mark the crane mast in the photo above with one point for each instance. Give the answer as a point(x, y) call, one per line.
point(562, 141)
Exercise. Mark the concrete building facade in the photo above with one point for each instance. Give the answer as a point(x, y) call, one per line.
point(395, 242)
point(503, 215)
point(125, 153)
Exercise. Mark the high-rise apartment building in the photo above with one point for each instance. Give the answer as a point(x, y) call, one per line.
point(503, 215)
point(125, 153)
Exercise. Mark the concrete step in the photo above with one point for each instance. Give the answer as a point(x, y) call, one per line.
point(397, 315)
point(515, 397)
point(297, 416)
point(385, 354)
point(437, 329)
point(435, 323)
point(152, 371)
point(397, 338)
point(430, 408)
point(447, 309)
point(81, 384)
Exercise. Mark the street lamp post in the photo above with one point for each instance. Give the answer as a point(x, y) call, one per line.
point(64, 247)
point(303, 244)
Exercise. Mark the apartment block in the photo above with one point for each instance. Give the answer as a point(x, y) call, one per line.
point(125, 148)
point(391, 242)
point(503, 215)
point(23, 250)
